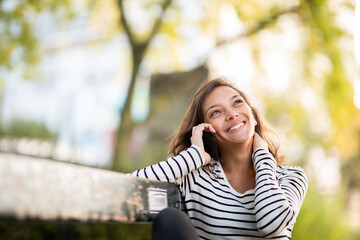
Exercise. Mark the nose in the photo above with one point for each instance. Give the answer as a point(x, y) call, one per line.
point(231, 115)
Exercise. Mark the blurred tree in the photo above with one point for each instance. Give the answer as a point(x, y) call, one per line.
point(19, 47)
point(139, 45)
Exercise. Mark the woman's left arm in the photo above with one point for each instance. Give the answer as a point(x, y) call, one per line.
point(277, 199)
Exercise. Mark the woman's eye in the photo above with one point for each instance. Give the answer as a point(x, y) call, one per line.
point(214, 113)
point(238, 101)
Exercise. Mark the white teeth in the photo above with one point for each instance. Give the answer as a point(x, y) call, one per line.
point(236, 127)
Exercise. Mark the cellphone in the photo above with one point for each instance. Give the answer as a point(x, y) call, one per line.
point(210, 145)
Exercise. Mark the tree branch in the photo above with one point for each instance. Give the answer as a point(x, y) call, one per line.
point(153, 31)
point(125, 23)
point(261, 25)
point(159, 19)
point(139, 49)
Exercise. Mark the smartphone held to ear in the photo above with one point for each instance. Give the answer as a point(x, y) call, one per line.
point(210, 145)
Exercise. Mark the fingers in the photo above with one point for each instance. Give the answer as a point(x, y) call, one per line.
point(203, 127)
point(196, 138)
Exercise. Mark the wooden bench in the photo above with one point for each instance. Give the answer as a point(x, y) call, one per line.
point(46, 190)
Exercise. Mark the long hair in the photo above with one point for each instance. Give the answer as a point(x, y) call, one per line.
point(194, 116)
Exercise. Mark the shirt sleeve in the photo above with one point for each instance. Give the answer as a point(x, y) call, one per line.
point(174, 168)
point(277, 199)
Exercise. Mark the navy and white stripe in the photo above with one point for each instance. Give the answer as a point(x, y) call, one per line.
point(219, 212)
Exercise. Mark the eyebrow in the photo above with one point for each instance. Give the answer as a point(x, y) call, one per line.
point(215, 105)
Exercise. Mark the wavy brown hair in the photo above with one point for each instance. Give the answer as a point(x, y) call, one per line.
point(194, 116)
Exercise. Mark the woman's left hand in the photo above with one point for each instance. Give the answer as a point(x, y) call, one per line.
point(259, 142)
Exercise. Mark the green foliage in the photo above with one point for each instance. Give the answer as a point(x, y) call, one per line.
point(322, 217)
point(324, 37)
point(30, 129)
point(19, 44)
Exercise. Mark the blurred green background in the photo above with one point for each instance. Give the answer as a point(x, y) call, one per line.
point(104, 83)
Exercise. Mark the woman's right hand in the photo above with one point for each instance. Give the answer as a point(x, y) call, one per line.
point(196, 138)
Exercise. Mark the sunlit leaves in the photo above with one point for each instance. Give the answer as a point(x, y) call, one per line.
point(19, 43)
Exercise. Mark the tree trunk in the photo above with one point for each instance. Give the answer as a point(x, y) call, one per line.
point(126, 125)
point(121, 158)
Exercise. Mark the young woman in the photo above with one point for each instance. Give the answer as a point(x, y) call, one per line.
point(247, 193)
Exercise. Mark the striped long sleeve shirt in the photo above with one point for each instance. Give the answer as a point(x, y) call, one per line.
point(220, 212)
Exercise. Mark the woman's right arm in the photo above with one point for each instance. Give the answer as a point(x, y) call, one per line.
point(174, 167)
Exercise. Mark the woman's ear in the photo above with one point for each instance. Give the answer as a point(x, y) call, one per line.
point(254, 117)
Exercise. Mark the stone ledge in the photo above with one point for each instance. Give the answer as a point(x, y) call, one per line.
point(46, 190)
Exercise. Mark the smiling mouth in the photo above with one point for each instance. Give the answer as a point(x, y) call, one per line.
point(236, 126)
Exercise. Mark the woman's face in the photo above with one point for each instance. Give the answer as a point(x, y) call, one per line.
point(230, 116)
